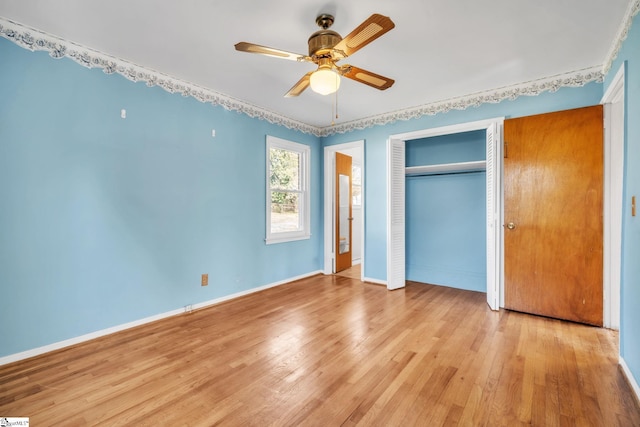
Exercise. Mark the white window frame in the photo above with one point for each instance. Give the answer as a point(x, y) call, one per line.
point(305, 198)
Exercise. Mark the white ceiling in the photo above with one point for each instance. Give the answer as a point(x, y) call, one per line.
point(439, 49)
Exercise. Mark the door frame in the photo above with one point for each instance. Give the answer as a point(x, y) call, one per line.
point(394, 271)
point(329, 207)
point(614, 135)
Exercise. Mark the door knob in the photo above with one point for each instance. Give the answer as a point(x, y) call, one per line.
point(511, 226)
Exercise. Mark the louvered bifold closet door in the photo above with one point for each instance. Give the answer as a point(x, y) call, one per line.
point(492, 217)
point(395, 214)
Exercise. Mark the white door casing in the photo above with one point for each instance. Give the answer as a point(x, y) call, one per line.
point(613, 101)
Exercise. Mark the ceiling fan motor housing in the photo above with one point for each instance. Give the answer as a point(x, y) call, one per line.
point(321, 42)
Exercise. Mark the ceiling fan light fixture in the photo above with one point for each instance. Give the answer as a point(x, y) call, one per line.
point(325, 81)
point(326, 48)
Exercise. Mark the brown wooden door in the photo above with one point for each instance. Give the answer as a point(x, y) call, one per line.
point(553, 184)
point(344, 213)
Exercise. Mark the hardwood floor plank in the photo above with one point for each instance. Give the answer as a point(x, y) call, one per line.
point(331, 350)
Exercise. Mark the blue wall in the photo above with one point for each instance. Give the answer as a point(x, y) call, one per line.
point(446, 214)
point(629, 56)
point(458, 147)
point(105, 221)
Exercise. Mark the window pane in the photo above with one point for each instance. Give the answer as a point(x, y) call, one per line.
point(285, 168)
point(285, 212)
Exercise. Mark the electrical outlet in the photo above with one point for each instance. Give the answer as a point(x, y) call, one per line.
point(205, 280)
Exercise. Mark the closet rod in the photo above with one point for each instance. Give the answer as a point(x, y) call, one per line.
point(446, 168)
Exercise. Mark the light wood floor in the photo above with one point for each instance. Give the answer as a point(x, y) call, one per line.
point(352, 273)
point(330, 351)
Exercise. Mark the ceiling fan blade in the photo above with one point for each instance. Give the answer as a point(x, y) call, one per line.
point(269, 51)
point(375, 26)
point(299, 87)
point(367, 77)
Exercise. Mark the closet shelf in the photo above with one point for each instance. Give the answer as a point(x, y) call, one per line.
point(446, 168)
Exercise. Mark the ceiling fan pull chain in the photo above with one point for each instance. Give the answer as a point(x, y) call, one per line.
point(335, 107)
point(336, 100)
point(332, 109)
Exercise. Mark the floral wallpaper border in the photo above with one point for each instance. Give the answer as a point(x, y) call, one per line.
point(33, 40)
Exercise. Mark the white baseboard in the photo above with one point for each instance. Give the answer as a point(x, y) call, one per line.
point(77, 340)
point(630, 378)
point(375, 281)
point(253, 290)
point(93, 335)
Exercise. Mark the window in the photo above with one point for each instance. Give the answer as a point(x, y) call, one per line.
point(288, 208)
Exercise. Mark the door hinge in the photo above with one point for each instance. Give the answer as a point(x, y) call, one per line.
point(506, 144)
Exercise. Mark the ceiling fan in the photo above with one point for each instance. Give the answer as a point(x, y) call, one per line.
point(326, 48)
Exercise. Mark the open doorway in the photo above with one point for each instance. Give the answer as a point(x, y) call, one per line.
point(355, 151)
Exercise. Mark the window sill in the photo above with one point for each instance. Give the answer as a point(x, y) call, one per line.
point(284, 239)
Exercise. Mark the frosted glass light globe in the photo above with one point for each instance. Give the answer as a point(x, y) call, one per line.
point(325, 81)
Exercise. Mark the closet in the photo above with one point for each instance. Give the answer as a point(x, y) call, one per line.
point(446, 210)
